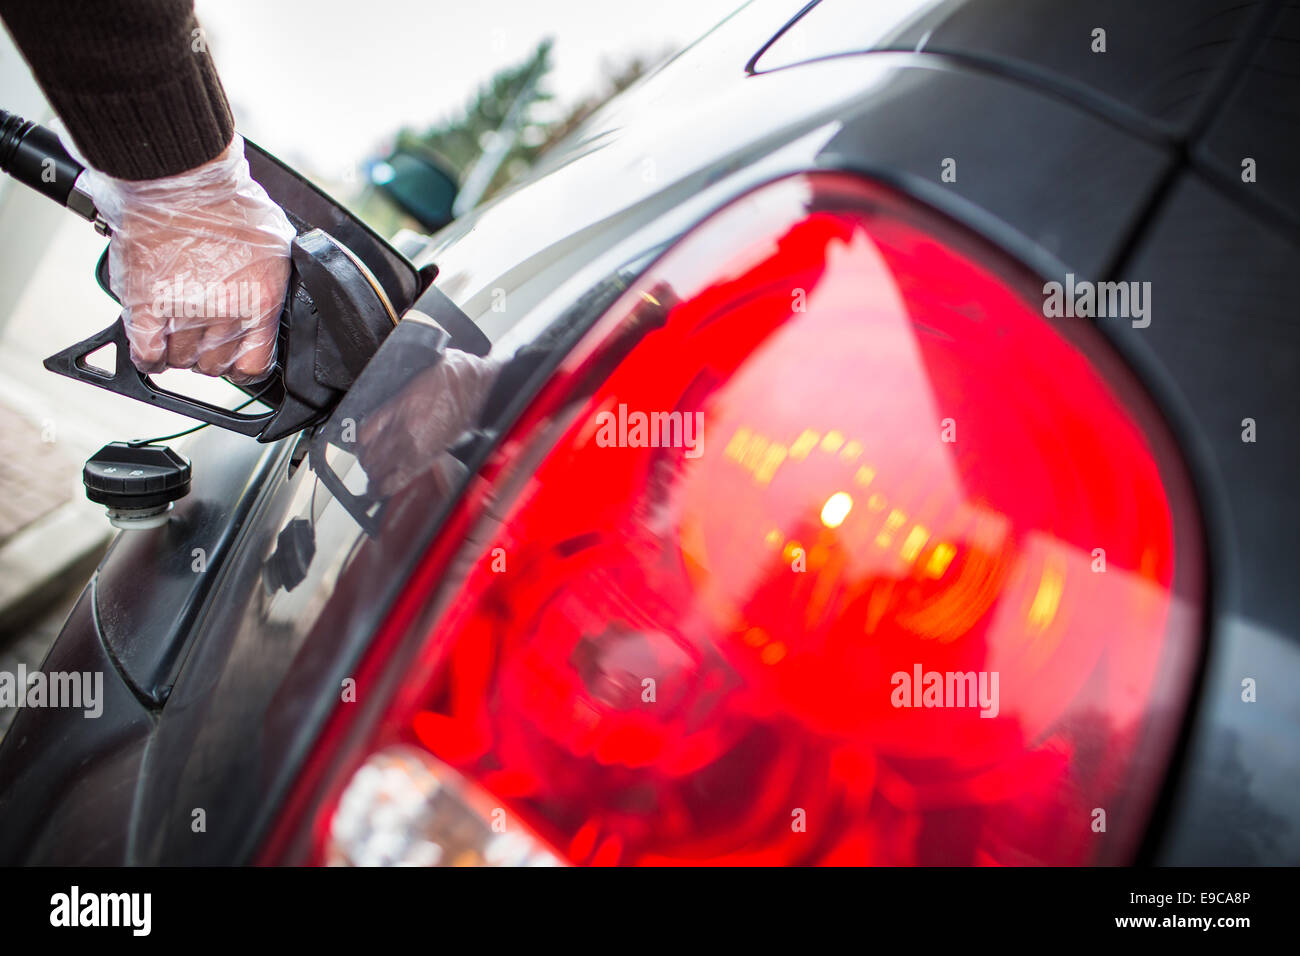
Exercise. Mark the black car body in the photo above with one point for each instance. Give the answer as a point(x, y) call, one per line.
point(1126, 165)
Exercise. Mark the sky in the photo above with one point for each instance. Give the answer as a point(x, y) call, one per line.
point(321, 84)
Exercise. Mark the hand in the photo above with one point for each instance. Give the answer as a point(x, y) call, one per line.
point(401, 439)
point(200, 262)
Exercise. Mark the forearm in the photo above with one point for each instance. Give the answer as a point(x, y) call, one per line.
point(131, 80)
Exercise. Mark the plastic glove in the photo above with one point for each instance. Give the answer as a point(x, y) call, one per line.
point(200, 263)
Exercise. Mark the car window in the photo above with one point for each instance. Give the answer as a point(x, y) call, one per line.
point(830, 27)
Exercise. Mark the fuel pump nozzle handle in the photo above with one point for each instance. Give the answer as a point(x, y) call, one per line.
point(336, 313)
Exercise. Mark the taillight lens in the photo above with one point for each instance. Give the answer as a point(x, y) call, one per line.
point(822, 546)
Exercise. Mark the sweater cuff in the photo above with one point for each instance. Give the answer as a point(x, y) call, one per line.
point(150, 133)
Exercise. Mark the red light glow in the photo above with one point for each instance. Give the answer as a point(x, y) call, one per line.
point(692, 654)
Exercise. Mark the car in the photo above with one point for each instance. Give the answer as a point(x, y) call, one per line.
point(866, 440)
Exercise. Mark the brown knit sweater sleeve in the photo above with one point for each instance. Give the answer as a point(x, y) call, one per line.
point(131, 80)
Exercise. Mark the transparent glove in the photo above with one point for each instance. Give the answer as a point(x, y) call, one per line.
point(200, 262)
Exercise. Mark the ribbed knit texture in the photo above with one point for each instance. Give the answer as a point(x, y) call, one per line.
point(131, 80)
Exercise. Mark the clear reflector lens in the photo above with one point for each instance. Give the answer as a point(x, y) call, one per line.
point(402, 808)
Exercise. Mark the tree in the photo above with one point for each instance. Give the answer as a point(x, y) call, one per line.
point(503, 101)
point(501, 107)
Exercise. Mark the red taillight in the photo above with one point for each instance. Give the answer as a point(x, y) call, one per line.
point(824, 545)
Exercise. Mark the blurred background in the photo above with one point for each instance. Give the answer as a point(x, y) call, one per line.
point(333, 88)
point(336, 90)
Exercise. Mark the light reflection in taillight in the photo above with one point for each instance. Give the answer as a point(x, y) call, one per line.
point(692, 655)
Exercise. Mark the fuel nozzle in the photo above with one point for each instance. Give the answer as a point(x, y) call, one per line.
point(136, 483)
point(34, 156)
